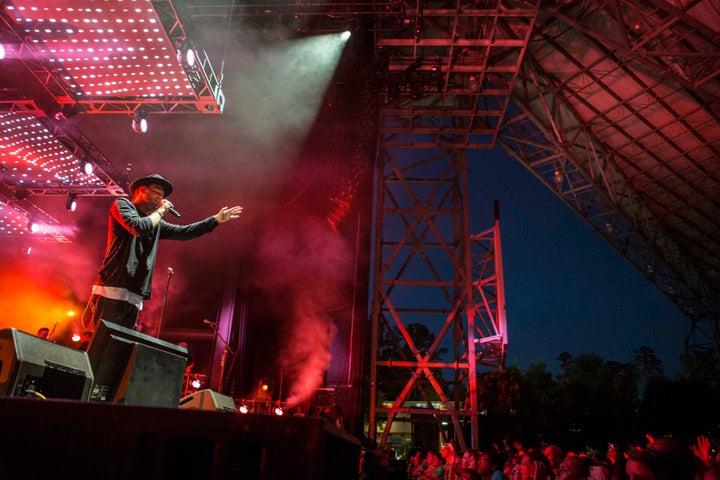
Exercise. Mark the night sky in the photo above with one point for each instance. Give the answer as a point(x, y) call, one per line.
point(567, 289)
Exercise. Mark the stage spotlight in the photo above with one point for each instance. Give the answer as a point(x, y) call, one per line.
point(139, 121)
point(186, 56)
point(190, 57)
point(196, 383)
point(33, 226)
point(345, 35)
point(88, 167)
point(71, 202)
point(2, 51)
point(278, 411)
point(243, 408)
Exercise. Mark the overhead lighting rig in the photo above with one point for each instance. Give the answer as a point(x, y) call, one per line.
point(21, 219)
point(42, 156)
point(111, 57)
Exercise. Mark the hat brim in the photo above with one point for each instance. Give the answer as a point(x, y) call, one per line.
point(152, 179)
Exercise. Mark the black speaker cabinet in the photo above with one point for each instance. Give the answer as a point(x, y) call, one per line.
point(132, 368)
point(209, 400)
point(31, 366)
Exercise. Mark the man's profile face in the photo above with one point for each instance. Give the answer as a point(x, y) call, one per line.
point(150, 195)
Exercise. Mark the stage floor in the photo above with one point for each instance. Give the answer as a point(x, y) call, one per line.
point(72, 439)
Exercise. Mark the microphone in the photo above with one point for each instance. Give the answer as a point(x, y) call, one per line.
point(171, 271)
point(175, 212)
point(208, 322)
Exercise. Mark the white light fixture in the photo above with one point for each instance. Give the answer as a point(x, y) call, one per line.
point(139, 121)
point(33, 226)
point(71, 202)
point(186, 55)
point(190, 57)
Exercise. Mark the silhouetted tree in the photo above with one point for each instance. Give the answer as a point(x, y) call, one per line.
point(683, 407)
point(565, 360)
point(648, 365)
point(598, 398)
point(539, 400)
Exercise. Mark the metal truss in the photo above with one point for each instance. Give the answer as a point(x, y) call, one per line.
point(488, 318)
point(448, 71)
point(207, 86)
point(438, 298)
point(447, 75)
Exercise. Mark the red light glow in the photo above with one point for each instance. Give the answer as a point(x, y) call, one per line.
point(28, 304)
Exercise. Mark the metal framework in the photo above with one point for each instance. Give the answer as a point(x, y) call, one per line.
point(627, 134)
point(448, 71)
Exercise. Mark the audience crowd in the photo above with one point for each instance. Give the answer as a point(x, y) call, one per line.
point(664, 458)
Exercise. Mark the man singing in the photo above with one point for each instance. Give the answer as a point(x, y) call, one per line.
point(134, 229)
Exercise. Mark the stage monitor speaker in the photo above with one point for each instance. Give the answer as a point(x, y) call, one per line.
point(209, 400)
point(31, 366)
point(132, 368)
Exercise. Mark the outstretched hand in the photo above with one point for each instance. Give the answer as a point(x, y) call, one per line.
point(226, 213)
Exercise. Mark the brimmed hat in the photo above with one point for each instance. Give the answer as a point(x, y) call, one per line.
point(154, 178)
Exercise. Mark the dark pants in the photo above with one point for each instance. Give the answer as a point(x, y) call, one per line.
point(116, 311)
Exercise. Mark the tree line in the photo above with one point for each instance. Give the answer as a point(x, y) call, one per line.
point(592, 402)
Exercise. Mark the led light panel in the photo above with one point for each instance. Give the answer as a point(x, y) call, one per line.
point(32, 158)
point(14, 226)
point(105, 49)
point(12, 222)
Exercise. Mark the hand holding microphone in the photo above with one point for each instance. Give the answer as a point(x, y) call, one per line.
point(169, 207)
